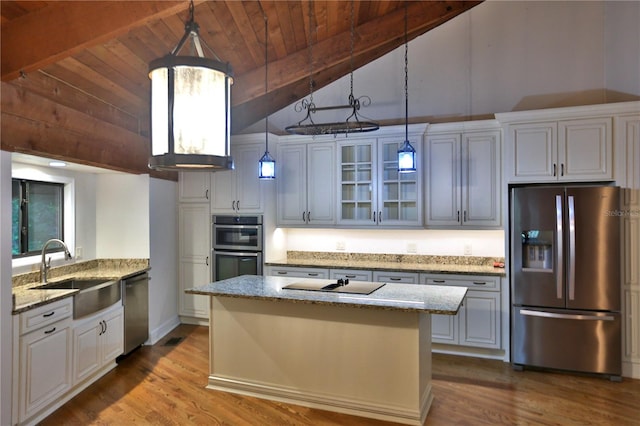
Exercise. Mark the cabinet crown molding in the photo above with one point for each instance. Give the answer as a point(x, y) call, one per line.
point(586, 111)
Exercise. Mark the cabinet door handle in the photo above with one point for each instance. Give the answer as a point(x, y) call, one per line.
point(562, 169)
point(233, 205)
point(101, 329)
point(106, 326)
point(374, 217)
point(464, 216)
point(479, 283)
point(50, 331)
point(238, 205)
point(206, 194)
point(206, 261)
point(458, 216)
point(49, 314)
point(303, 219)
point(554, 169)
point(308, 217)
point(439, 281)
point(380, 217)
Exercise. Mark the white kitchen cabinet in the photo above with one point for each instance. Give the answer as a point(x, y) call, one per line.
point(240, 190)
point(194, 251)
point(44, 358)
point(350, 274)
point(372, 192)
point(574, 150)
point(396, 277)
point(194, 187)
point(306, 184)
point(97, 341)
point(298, 272)
point(477, 323)
point(463, 176)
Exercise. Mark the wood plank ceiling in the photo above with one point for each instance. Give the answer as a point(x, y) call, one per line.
point(75, 80)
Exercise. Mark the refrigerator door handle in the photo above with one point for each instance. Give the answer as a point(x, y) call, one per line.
point(572, 248)
point(559, 250)
point(544, 314)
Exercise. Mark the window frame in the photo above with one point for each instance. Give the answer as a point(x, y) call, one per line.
point(30, 172)
point(25, 192)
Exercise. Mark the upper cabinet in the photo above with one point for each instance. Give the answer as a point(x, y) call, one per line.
point(563, 144)
point(194, 187)
point(306, 183)
point(372, 192)
point(463, 175)
point(239, 190)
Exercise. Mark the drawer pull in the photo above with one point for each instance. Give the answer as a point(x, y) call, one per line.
point(313, 274)
point(282, 272)
point(395, 278)
point(350, 276)
point(49, 314)
point(50, 331)
point(439, 281)
point(479, 283)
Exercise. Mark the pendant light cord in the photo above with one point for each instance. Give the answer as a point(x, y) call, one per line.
point(266, 91)
point(406, 76)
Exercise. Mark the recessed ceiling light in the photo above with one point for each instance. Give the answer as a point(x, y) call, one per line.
point(57, 164)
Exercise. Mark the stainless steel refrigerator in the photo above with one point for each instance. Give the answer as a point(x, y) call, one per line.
point(565, 278)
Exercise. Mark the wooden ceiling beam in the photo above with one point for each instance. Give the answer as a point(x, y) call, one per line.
point(66, 27)
point(336, 50)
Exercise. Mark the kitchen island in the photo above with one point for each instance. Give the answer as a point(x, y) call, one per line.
point(361, 354)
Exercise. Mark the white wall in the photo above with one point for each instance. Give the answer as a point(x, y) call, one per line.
point(163, 238)
point(6, 303)
point(427, 242)
point(122, 216)
point(499, 56)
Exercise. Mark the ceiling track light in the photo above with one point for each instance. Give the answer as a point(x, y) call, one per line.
point(190, 108)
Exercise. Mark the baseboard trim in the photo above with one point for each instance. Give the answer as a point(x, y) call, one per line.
point(342, 405)
point(161, 331)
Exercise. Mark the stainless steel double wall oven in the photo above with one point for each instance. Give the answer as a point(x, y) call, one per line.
point(237, 246)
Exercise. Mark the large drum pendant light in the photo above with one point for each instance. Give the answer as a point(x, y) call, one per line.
point(190, 109)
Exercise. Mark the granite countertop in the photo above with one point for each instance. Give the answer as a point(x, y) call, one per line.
point(404, 297)
point(466, 265)
point(26, 296)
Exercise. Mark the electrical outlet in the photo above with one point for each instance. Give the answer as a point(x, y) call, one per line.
point(412, 248)
point(340, 245)
point(467, 249)
point(78, 253)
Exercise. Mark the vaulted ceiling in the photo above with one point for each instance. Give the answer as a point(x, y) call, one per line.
point(75, 73)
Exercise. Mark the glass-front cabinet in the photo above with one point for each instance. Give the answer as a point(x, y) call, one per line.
point(372, 191)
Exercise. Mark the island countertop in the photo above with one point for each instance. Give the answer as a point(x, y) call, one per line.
point(404, 297)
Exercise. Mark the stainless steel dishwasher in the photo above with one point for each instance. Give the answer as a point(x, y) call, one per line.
point(135, 298)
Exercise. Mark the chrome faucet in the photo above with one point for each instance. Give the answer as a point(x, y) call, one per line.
point(45, 265)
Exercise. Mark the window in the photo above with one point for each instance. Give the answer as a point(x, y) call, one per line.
point(37, 215)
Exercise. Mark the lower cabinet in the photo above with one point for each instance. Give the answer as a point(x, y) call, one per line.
point(477, 324)
point(97, 341)
point(298, 272)
point(55, 355)
point(44, 357)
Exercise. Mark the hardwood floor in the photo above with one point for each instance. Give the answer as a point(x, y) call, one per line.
point(165, 385)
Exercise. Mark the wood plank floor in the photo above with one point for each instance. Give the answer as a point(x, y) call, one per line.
point(165, 385)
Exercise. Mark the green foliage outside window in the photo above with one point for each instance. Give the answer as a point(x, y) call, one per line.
point(37, 215)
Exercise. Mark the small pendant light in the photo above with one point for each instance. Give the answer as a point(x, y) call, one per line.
point(266, 165)
point(406, 154)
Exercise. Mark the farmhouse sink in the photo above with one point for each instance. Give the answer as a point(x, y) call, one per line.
point(93, 294)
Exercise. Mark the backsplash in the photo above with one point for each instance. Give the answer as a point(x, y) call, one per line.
point(396, 258)
point(31, 277)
